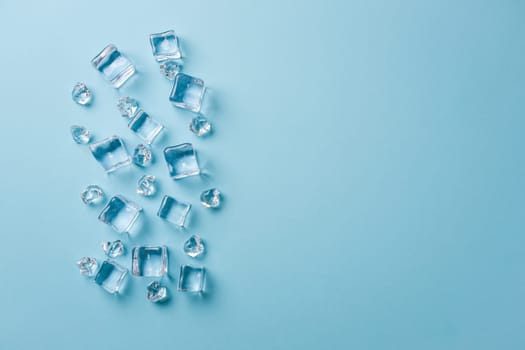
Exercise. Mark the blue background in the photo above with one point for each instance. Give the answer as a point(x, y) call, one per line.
point(370, 153)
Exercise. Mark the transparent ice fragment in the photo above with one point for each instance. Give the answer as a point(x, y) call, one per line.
point(174, 211)
point(170, 68)
point(92, 194)
point(127, 106)
point(146, 186)
point(187, 92)
point(156, 292)
point(200, 126)
point(111, 153)
point(211, 198)
point(142, 155)
point(113, 249)
point(194, 246)
point(149, 261)
point(111, 276)
point(120, 214)
point(81, 94)
point(114, 66)
point(145, 127)
point(80, 134)
point(181, 161)
point(191, 279)
point(87, 266)
point(165, 45)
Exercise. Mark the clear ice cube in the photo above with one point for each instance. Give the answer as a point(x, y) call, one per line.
point(127, 106)
point(92, 194)
point(146, 186)
point(142, 155)
point(192, 279)
point(156, 292)
point(181, 161)
point(111, 276)
point(87, 266)
point(120, 214)
point(187, 92)
point(114, 66)
point(170, 69)
point(174, 211)
point(111, 153)
point(200, 126)
point(80, 134)
point(145, 127)
point(165, 45)
point(113, 249)
point(194, 246)
point(211, 198)
point(149, 261)
point(81, 94)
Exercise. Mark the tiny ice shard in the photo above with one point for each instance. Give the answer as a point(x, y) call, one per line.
point(145, 127)
point(181, 161)
point(192, 279)
point(165, 45)
point(113, 249)
point(194, 246)
point(200, 126)
point(114, 66)
point(149, 261)
point(170, 68)
point(80, 134)
point(187, 92)
point(120, 214)
point(211, 198)
point(156, 292)
point(87, 266)
point(142, 155)
point(81, 94)
point(146, 186)
point(111, 276)
point(174, 211)
point(111, 153)
point(127, 106)
point(92, 194)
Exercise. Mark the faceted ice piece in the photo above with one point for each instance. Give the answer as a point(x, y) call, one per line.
point(111, 276)
point(192, 279)
point(194, 246)
point(174, 211)
point(181, 161)
point(165, 45)
point(92, 194)
point(111, 153)
point(149, 261)
point(114, 66)
point(156, 292)
point(211, 198)
point(120, 214)
point(80, 134)
point(146, 186)
point(127, 106)
point(87, 266)
point(81, 94)
point(187, 92)
point(170, 68)
point(142, 155)
point(113, 249)
point(145, 127)
point(200, 126)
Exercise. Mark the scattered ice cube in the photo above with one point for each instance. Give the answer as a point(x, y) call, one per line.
point(192, 279)
point(113, 249)
point(149, 261)
point(127, 106)
point(187, 92)
point(200, 126)
point(111, 153)
point(181, 161)
point(194, 246)
point(156, 292)
point(87, 266)
point(142, 155)
point(165, 45)
point(174, 211)
point(120, 214)
point(170, 68)
point(92, 194)
point(211, 198)
point(146, 186)
point(111, 276)
point(81, 94)
point(80, 134)
point(145, 127)
point(114, 66)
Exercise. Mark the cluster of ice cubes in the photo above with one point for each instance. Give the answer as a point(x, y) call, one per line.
point(122, 214)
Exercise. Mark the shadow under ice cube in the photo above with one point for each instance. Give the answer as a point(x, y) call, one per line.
point(149, 261)
point(111, 276)
point(191, 279)
point(181, 161)
point(174, 211)
point(114, 66)
point(187, 92)
point(120, 214)
point(111, 153)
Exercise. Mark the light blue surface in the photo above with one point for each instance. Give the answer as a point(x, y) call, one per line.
point(370, 153)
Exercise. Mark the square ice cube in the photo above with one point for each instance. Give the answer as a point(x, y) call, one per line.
point(187, 92)
point(111, 276)
point(114, 66)
point(120, 214)
point(192, 279)
point(145, 127)
point(165, 46)
point(173, 211)
point(149, 261)
point(111, 153)
point(181, 161)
